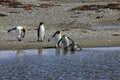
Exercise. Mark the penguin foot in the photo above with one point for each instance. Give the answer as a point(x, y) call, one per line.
point(41, 40)
point(48, 40)
point(19, 40)
point(38, 40)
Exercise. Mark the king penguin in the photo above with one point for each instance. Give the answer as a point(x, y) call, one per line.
point(66, 43)
point(20, 32)
point(73, 46)
point(56, 36)
point(40, 32)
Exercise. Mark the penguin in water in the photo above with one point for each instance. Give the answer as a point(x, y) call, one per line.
point(40, 32)
point(66, 45)
point(20, 32)
point(56, 36)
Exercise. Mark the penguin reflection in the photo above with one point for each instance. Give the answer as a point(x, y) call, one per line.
point(59, 51)
point(20, 53)
point(41, 51)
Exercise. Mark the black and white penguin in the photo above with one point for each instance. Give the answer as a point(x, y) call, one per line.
point(56, 36)
point(67, 45)
point(65, 41)
point(73, 46)
point(20, 32)
point(40, 32)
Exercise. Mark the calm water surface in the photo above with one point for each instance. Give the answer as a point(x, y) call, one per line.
point(54, 64)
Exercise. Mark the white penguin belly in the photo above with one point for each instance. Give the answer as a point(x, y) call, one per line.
point(57, 38)
point(65, 42)
point(18, 33)
point(41, 32)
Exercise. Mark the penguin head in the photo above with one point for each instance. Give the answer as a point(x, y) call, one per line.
point(20, 27)
point(56, 33)
point(41, 23)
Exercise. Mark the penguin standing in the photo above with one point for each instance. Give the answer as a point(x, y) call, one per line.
point(56, 36)
point(40, 32)
point(66, 45)
point(20, 32)
point(65, 41)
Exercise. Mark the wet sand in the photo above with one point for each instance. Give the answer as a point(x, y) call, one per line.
point(57, 15)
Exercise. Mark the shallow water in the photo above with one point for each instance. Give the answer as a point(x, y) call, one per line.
point(55, 64)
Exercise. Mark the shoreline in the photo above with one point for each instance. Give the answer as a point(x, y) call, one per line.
point(40, 45)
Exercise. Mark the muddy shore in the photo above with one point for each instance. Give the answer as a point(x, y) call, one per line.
point(78, 20)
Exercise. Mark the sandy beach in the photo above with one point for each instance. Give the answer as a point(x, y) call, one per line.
point(87, 22)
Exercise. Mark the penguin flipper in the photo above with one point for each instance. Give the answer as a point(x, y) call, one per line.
point(59, 42)
point(38, 33)
point(71, 40)
point(11, 29)
point(23, 31)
